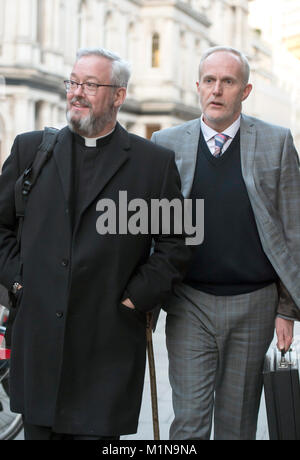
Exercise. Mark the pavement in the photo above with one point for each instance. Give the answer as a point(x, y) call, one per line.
point(145, 427)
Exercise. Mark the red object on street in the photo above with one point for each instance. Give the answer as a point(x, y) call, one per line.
point(4, 352)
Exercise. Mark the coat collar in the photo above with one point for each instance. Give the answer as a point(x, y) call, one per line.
point(112, 158)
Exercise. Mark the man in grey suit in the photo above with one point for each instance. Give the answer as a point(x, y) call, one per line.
point(245, 276)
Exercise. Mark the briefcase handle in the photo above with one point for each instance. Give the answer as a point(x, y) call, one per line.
point(284, 364)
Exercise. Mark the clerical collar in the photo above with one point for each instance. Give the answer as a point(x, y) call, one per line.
point(92, 141)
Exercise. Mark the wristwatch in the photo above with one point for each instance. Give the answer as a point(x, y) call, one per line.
point(16, 287)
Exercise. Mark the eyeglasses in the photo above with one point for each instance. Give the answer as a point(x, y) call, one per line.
point(88, 87)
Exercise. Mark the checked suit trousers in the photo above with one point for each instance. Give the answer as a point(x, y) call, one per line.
point(216, 347)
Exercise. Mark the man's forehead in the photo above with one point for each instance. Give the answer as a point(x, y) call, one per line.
point(225, 57)
point(92, 66)
point(222, 62)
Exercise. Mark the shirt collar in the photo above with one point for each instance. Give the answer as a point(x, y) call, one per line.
point(231, 131)
point(92, 141)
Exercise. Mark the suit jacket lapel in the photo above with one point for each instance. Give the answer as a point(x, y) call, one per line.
point(248, 151)
point(247, 139)
point(188, 150)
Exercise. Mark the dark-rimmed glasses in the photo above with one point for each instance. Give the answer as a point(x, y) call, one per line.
point(88, 87)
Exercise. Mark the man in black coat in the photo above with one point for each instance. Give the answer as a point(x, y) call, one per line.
point(83, 281)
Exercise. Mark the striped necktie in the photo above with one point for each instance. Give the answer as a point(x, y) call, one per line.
point(220, 140)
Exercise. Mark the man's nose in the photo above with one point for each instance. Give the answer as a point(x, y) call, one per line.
point(79, 90)
point(218, 88)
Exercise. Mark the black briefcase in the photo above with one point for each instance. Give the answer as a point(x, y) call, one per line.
point(282, 394)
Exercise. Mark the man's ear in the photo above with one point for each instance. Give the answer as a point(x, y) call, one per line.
point(247, 91)
point(120, 96)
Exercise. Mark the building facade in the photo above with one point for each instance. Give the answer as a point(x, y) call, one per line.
point(278, 32)
point(162, 39)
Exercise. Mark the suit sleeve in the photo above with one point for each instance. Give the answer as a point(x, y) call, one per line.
point(289, 209)
point(9, 250)
point(153, 282)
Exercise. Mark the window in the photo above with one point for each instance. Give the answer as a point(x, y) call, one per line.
point(40, 23)
point(2, 18)
point(110, 30)
point(155, 50)
point(150, 129)
point(38, 119)
point(131, 42)
point(82, 23)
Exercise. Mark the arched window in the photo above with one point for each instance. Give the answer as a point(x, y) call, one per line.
point(38, 115)
point(155, 50)
point(82, 23)
point(2, 18)
point(109, 30)
point(40, 23)
point(131, 42)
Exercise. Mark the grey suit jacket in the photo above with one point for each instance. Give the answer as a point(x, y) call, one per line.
point(270, 168)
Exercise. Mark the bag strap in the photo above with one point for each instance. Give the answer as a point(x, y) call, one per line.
point(29, 177)
point(23, 187)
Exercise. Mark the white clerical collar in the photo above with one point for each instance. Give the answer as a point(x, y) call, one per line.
point(231, 131)
point(92, 141)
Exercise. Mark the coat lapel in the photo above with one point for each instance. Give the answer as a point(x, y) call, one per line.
point(111, 158)
point(63, 157)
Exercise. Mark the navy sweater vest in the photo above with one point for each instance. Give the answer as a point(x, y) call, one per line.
point(231, 260)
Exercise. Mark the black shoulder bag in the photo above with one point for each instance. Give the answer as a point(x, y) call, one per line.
point(23, 186)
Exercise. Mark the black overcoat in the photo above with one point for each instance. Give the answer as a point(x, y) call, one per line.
point(78, 354)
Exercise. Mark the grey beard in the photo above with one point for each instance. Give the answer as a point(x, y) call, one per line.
point(90, 126)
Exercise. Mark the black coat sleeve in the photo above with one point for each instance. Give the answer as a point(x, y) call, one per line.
point(153, 282)
point(9, 251)
point(22, 154)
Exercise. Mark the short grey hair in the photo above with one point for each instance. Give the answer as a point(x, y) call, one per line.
point(120, 68)
point(228, 49)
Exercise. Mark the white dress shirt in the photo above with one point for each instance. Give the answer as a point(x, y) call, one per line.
point(209, 134)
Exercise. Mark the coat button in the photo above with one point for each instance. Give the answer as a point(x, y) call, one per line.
point(65, 262)
point(59, 314)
